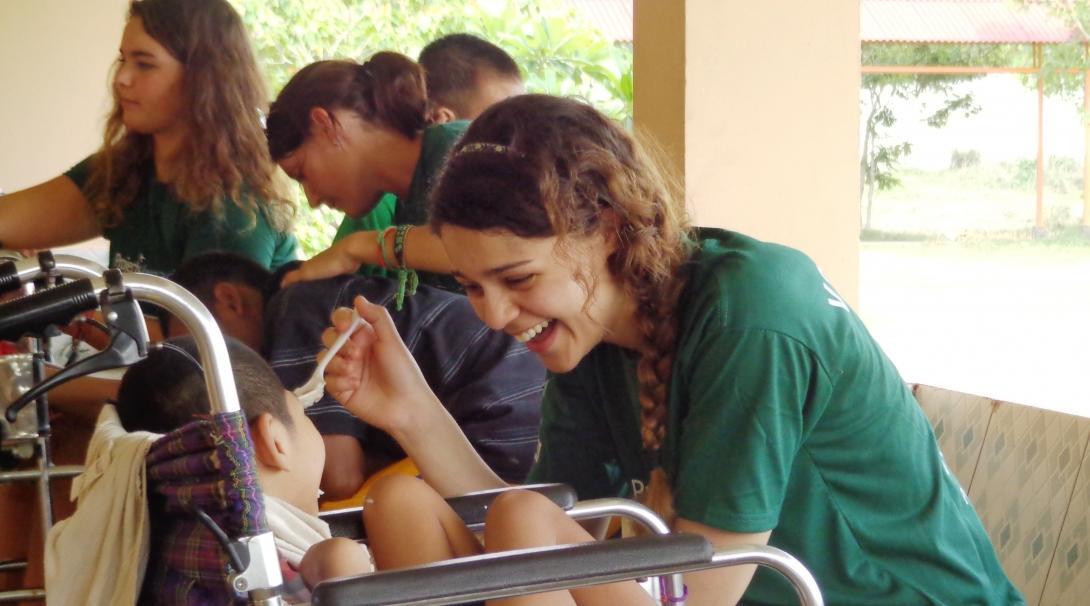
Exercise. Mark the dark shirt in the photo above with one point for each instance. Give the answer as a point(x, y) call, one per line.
point(490, 383)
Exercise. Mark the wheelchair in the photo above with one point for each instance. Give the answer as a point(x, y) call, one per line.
point(240, 563)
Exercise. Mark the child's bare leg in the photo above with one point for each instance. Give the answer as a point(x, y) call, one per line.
point(523, 519)
point(333, 558)
point(409, 524)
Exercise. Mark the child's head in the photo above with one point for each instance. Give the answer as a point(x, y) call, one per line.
point(186, 71)
point(467, 75)
point(233, 287)
point(335, 125)
point(167, 389)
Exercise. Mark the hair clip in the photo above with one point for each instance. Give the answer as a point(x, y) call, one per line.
point(491, 148)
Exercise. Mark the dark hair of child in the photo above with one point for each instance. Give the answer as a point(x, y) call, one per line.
point(166, 390)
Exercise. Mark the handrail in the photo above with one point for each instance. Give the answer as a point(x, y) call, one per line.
point(674, 584)
point(530, 571)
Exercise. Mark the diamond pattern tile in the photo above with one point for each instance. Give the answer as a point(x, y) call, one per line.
point(960, 422)
point(1022, 488)
point(1068, 580)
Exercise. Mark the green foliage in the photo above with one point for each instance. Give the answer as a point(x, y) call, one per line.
point(964, 159)
point(981, 55)
point(886, 158)
point(1063, 174)
point(1058, 60)
point(559, 52)
point(880, 155)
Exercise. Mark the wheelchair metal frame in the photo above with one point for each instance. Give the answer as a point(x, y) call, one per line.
point(47, 267)
point(528, 571)
point(261, 580)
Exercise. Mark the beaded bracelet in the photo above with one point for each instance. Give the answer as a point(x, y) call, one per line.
point(399, 244)
point(406, 278)
point(384, 261)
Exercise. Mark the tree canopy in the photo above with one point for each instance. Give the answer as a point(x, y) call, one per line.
point(559, 52)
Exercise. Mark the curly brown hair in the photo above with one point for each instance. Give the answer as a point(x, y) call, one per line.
point(387, 90)
point(541, 166)
point(224, 155)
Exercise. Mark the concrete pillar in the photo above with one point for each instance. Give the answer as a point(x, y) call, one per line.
point(762, 100)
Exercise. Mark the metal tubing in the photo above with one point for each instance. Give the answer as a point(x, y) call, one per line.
point(69, 266)
point(219, 378)
point(805, 585)
point(56, 471)
point(762, 555)
point(599, 508)
point(202, 326)
point(20, 595)
point(175, 299)
point(223, 398)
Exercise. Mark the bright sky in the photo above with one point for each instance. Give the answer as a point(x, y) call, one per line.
point(1004, 130)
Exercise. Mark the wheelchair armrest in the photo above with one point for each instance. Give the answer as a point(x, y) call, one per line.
point(471, 507)
point(512, 573)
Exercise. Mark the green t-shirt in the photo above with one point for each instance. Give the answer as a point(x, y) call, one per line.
point(438, 140)
point(157, 231)
point(380, 217)
point(784, 415)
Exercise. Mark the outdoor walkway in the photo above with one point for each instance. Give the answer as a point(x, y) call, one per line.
point(1012, 323)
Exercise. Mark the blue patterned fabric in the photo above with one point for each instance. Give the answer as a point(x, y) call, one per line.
point(490, 383)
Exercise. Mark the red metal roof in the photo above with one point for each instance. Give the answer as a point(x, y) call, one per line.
point(612, 17)
point(964, 21)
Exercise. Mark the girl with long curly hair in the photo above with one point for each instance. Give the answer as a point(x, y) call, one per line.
point(717, 377)
point(183, 166)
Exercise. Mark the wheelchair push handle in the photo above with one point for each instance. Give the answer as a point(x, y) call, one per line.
point(128, 339)
point(9, 277)
point(52, 306)
point(14, 274)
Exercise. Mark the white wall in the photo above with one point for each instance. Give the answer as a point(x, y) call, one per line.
point(55, 57)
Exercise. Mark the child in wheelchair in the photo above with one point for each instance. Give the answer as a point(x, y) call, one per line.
point(167, 390)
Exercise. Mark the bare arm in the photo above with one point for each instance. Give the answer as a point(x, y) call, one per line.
point(720, 586)
point(343, 257)
point(377, 379)
point(54, 213)
point(345, 467)
point(423, 251)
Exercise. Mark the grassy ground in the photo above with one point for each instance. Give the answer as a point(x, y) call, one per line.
point(961, 295)
point(995, 199)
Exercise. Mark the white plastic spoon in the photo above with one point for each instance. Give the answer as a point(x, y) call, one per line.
point(311, 391)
